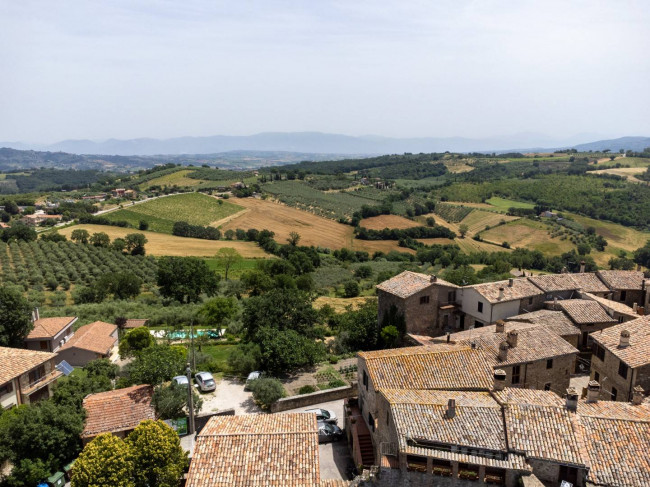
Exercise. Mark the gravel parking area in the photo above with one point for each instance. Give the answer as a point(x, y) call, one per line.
point(229, 394)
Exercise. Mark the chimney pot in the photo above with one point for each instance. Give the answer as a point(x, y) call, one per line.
point(555, 303)
point(635, 307)
point(511, 282)
point(37, 313)
point(637, 395)
point(499, 379)
point(451, 408)
point(512, 338)
point(501, 293)
point(503, 351)
point(625, 339)
point(582, 266)
point(500, 326)
point(572, 399)
point(593, 391)
point(433, 279)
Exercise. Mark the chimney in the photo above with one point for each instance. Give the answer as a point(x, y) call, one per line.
point(582, 266)
point(501, 293)
point(451, 408)
point(503, 351)
point(593, 391)
point(37, 314)
point(499, 379)
point(572, 399)
point(500, 326)
point(555, 303)
point(511, 282)
point(448, 337)
point(635, 307)
point(433, 278)
point(625, 339)
point(512, 338)
point(637, 395)
point(564, 270)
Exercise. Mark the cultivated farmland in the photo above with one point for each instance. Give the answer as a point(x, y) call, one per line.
point(161, 244)
point(178, 178)
point(387, 221)
point(477, 220)
point(452, 213)
point(161, 213)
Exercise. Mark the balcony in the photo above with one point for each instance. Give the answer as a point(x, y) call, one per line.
point(41, 382)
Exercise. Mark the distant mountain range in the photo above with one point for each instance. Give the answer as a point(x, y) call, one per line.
point(316, 142)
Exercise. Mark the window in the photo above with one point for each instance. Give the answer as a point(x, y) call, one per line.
point(371, 421)
point(623, 295)
point(620, 319)
point(451, 296)
point(516, 372)
point(596, 376)
point(547, 386)
point(549, 363)
point(387, 418)
point(6, 388)
point(365, 379)
point(614, 393)
point(530, 301)
point(461, 324)
point(424, 299)
point(36, 374)
point(478, 324)
point(43, 344)
point(599, 352)
point(622, 369)
point(480, 307)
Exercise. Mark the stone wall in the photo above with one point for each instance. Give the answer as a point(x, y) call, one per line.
point(537, 375)
point(606, 373)
point(303, 400)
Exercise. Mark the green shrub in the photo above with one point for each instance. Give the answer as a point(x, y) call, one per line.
point(333, 359)
point(336, 383)
point(306, 389)
point(266, 391)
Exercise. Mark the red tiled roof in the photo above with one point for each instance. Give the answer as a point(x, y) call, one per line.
point(17, 361)
point(118, 410)
point(408, 283)
point(637, 353)
point(135, 323)
point(628, 280)
point(583, 311)
point(50, 327)
point(521, 288)
point(95, 337)
point(257, 450)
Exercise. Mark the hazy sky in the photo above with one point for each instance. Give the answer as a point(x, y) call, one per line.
point(134, 68)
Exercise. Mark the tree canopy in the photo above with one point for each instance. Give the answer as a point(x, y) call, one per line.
point(15, 322)
point(185, 278)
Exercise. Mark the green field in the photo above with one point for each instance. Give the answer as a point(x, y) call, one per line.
point(161, 213)
point(625, 162)
point(236, 269)
point(178, 178)
point(219, 353)
point(502, 204)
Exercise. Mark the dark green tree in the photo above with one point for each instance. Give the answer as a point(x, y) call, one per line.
point(15, 323)
point(185, 278)
point(170, 401)
point(157, 364)
point(135, 243)
point(280, 310)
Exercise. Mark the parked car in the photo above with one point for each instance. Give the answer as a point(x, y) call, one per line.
point(324, 415)
point(205, 381)
point(251, 377)
point(181, 380)
point(328, 432)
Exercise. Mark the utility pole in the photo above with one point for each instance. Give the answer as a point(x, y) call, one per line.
point(190, 399)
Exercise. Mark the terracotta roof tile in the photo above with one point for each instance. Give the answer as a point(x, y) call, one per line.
point(533, 344)
point(17, 361)
point(408, 283)
point(628, 280)
point(610, 304)
point(554, 321)
point(583, 311)
point(257, 450)
point(589, 282)
point(50, 327)
point(135, 323)
point(429, 367)
point(118, 410)
point(637, 353)
point(95, 337)
point(521, 288)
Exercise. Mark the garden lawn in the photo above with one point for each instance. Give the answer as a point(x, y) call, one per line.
point(220, 353)
point(162, 213)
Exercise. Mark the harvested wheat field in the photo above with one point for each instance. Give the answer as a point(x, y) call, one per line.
point(162, 244)
point(340, 304)
point(388, 221)
point(477, 220)
point(385, 246)
point(436, 241)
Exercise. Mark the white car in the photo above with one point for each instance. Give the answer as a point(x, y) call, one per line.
point(181, 380)
point(324, 415)
point(251, 377)
point(205, 381)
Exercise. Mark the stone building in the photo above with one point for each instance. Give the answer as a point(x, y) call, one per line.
point(532, 358)
point(91, 342)
point(553, 321)
point(427, 304)
point(628, 287)
point(621, 359)
point(588, 315)
point(565, 286)
point(486, 303)
point(49, 334)
point(26, 376)
point(621, 312)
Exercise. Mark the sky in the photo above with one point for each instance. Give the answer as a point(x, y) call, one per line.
point(156, 68)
